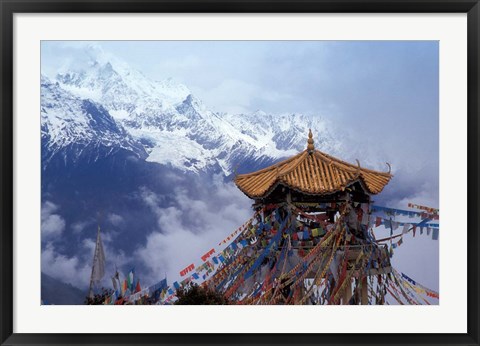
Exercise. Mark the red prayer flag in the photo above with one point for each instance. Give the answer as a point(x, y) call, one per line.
point(138, 288)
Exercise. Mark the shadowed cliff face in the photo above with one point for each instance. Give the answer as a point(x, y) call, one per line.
point(55, 292)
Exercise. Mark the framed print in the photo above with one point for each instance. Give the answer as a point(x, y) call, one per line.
point(239, 172)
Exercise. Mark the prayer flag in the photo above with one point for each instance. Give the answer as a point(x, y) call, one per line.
point(98, 270)
point(138, 288)
point(124, 286)
point(114, 282)
point(387, 223)
point(395, 225)
point(130, 281)
point(364, 218)
point(159, 286)
point(188, 269)
point(207, 255)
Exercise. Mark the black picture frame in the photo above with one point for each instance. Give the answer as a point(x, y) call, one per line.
point(7, 176)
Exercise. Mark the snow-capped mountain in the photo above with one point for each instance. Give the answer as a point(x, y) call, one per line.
point(173, 126)
point(74, 127)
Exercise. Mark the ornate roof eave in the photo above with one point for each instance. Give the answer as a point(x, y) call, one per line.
point(327, 193)
point(358, 179)
point(330, 174)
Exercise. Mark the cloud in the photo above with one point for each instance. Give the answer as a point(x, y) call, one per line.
point(239, 96)
point(179, 66)
point(52, 224)
point(72, 270)
point(115, 219)
point(190, 228)
point(79, 226)
point(76, 269)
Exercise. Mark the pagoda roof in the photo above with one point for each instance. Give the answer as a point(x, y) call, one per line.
point(311, 172)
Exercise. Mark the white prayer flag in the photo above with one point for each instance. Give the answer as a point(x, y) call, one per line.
point(99, 262)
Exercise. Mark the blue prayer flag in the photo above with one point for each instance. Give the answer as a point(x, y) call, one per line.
point(159, 285)
point(260, 228)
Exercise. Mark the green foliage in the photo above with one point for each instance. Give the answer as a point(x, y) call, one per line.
point(197, 295)
point(99, 298)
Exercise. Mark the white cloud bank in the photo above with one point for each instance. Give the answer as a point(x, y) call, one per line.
point(190, 228)
point(52, 224)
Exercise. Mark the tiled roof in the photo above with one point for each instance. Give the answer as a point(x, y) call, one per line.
point(311, 172)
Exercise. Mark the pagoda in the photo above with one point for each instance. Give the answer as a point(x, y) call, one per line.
point(309, 240)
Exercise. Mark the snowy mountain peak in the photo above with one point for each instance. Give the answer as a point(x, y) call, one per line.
point(68, 121)
point(259, 113)
point(173, 91)
point(174, 127)
point(126, 92)
point(195, 104)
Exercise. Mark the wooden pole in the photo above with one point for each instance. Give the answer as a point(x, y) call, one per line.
point(364, 290)
point(348, 293)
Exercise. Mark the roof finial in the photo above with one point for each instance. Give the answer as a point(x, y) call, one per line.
point(389, 168)
point(310, 146)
